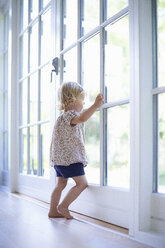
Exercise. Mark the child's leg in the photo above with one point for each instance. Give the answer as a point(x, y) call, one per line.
point(81, 184)
point(55, 197)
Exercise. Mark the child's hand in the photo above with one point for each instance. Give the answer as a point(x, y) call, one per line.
point(98, 101)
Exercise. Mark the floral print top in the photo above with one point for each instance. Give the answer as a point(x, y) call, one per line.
point(67, 144)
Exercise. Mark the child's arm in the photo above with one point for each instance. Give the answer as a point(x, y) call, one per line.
point(88, 112)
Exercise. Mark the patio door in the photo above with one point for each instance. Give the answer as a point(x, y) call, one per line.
point(36, 96)
point(94, 51)
point(91, 40)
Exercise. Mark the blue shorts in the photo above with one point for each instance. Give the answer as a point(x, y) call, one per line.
point(73, 170)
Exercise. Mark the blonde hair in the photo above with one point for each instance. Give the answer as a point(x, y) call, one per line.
point(68, 93)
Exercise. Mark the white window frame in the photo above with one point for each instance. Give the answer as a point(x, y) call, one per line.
point(35, 186)
point(78, 43)
point(158, 199)
point(142, 199)
point(27, 76)
point(4, 94)
point(155, 93)
point(144, 204)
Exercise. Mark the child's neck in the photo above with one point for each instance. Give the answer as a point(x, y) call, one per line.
point(70, 108)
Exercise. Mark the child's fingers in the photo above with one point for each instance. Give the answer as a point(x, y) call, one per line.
point(100, 97)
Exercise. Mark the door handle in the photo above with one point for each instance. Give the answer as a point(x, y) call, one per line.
point(55, 64)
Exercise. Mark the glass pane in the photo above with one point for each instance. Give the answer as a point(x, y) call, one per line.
point(6, 31)
point(1, 72)
point(23, 14)
point(69, 22)
point(92, 146)
point(113, 6)
point(5, 111)
point(89, 15)
point(33, 4)
point(6, 71)
point(91, 69)
point(23, 91)
point(2, 34)
point(34, 47)
point(161, 144)
point(33, 150)
point(1, 146)
point(44, 3)
point(1, 112)
point(45, 145)
point(118, 150)
point(23, 168)
point(45, 37)
point(117, 60)
point(5, 153)
point(33, 98)
point(161, 42)
point(23, 69)
point(45, 94)
point(70, 65)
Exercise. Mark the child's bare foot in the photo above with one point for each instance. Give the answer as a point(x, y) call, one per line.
point(55, 215)
point(65, 212)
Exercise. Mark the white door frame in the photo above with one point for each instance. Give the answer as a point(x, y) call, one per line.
point(13, 96)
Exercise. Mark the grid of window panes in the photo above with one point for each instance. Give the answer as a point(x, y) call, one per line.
point(34, 87)
point(4, 91)
point(159, 98)
point(95, 53)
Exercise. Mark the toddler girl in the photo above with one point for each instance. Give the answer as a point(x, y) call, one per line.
point(67, 150)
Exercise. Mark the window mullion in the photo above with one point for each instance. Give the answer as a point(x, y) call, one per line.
point(155, 143)
point(103, 142)
point(116, 17)
point(28, 107)
point(61, 41)
point(155, 44)
point(39, 167)
point(158, 90)
point(79, 63)
point(79, 54)
point(155, 98)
